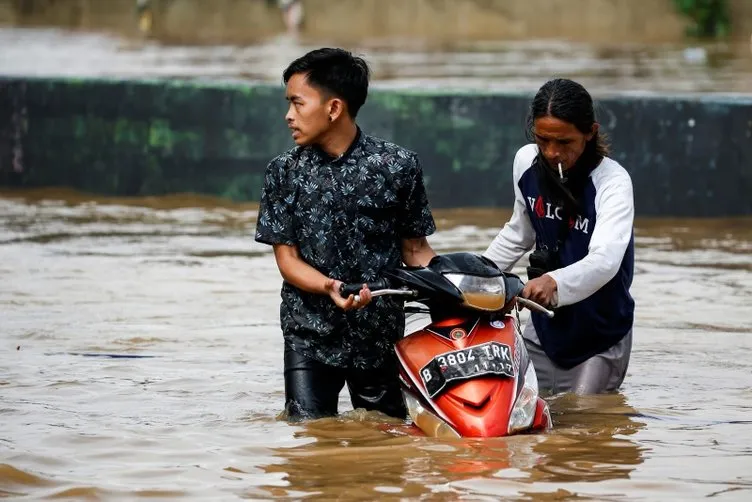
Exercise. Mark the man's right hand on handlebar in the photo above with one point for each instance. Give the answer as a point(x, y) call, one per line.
point(333, 286)
point(542, 290)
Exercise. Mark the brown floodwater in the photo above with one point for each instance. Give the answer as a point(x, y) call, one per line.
point(178, 284)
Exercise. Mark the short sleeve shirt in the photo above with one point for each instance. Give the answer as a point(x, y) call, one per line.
point(347, 217)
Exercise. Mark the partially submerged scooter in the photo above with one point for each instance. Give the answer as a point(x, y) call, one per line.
point(467, 373)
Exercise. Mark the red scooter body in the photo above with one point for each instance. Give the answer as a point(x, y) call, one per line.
point(479, 405)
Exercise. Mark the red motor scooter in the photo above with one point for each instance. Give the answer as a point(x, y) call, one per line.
point(467, 373)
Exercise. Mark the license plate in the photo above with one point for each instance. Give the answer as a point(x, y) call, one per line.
point(490, 358)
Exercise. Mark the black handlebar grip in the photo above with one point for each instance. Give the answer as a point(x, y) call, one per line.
point(349, 289)
point(353, 289)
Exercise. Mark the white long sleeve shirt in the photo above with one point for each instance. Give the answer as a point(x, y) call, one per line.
point(597, 255)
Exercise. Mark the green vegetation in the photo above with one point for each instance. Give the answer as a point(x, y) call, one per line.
point(710, 18)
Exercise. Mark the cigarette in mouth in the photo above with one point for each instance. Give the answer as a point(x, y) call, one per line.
point(561, 172)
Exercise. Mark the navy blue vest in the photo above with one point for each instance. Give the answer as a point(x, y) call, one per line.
point(593, 325)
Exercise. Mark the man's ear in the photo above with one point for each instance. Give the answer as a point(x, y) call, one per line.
point(336, 109)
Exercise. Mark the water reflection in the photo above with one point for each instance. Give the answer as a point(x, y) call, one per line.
point(373, 455)
point(592, 441)
point(362, 453)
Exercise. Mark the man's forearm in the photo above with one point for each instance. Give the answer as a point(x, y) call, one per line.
point(297, 272)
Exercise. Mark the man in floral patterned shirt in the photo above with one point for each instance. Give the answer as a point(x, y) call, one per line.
point(340, 207)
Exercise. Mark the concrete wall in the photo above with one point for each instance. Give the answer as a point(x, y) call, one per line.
point(741, 20)
point(592, 20)
point(7, 13)
point(347, 20)
point(108, 15)
point(687, 157)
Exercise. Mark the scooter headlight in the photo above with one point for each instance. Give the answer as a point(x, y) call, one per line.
point(481, 293)
point(426, 421)
point(523, 412)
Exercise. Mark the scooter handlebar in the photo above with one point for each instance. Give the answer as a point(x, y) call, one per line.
point(353, 289)
point(381, 288)
point(535, 306)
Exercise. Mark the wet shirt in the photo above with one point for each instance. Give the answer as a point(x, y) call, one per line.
point(347, 217)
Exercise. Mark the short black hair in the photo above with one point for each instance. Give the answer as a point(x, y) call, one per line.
point(336, 72)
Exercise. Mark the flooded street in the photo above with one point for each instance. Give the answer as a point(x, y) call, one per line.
point(181, 306)
point(500, 66)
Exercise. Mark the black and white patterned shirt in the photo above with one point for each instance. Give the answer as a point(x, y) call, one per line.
point(347, 217)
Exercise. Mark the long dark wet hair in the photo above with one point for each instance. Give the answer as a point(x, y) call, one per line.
point(570, 102)
point(567, 100)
